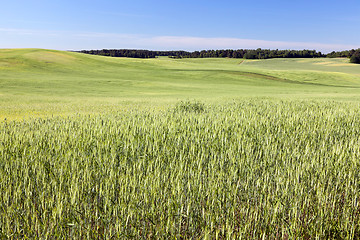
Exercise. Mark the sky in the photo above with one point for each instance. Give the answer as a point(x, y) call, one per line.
point(323, 25)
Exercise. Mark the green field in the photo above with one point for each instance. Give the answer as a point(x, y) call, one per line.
point(37, 82)
point(113, 148)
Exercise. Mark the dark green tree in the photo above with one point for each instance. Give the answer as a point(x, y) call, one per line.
point(355, 58)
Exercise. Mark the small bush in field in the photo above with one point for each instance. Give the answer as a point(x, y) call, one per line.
point(190, 106)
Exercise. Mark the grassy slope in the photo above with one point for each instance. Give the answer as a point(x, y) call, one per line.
point(38, 82)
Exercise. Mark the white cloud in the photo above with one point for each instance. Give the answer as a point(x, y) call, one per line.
point(121, 14)
point(17, 31)
point(65, 40)
point(196, 43)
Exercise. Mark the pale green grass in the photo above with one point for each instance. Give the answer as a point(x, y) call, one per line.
point(242, 170)
point(33, 77)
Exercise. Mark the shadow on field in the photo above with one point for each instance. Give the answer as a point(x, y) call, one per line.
point(262, 76)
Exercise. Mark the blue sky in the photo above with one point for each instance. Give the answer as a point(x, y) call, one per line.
point(186, 24)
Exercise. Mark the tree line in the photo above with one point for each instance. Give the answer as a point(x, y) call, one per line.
point(353, 54)
point(240, 53)
point(259, 53)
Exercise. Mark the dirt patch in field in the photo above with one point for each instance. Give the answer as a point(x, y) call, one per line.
point(343, 64)
point(323, 63)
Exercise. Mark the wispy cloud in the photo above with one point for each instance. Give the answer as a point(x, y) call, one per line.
point(120, 14)
point(236, 43)
point(92, 40)
point(16, 31)
point(96, 35)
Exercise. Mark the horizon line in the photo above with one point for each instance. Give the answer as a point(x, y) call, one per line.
point(73, 41)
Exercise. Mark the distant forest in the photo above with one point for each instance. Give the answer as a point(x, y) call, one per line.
point(353, 54)
point(259, 53)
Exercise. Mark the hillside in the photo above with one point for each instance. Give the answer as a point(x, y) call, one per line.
point(33, 78)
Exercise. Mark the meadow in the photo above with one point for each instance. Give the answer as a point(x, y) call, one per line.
point(116, 148)
point(42, 83)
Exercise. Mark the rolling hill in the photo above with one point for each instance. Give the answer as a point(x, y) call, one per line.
point(37, 81)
